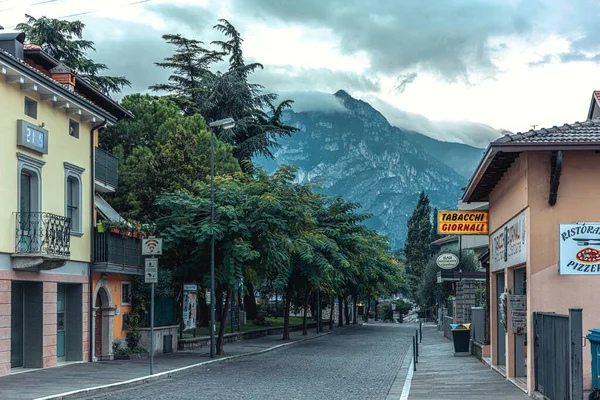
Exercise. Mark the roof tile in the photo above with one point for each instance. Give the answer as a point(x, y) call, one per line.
point(577, 132)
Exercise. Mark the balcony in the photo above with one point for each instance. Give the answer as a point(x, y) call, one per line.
point(117, 254)
point(107, 171)
point(42, 241)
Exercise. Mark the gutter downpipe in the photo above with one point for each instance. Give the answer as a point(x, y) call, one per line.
point(92, 232)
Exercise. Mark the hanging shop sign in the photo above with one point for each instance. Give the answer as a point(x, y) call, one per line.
point(579, 246)
point(447, 261)
point(190, 293)
point(462, 222)
point(509, 243)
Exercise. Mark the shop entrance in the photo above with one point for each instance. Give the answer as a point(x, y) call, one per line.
point(26, 325)
point(500, 319)
point(519, 321)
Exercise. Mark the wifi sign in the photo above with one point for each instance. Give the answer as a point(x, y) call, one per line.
point(152, 247)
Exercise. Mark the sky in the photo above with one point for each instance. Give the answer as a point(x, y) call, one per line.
point(457, 70)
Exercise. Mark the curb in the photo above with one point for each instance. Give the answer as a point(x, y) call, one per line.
point(105, 389)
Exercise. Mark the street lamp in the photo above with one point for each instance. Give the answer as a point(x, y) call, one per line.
point(226, 123)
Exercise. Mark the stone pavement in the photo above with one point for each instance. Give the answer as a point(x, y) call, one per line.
point(52, 381)
point(442, 376)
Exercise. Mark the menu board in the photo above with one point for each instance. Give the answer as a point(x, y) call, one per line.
point(518, 313)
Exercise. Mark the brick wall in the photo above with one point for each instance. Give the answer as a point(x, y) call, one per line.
point(4, 327)
point(49, 341)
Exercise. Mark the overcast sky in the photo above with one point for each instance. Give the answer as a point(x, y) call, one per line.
point(431, 65)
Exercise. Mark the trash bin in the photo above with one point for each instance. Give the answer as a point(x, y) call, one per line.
point(461, 335)
point(594, 338)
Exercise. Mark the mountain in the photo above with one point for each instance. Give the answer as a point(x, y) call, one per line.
point(355, 153)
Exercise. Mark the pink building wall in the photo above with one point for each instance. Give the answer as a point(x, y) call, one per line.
point(526, 186)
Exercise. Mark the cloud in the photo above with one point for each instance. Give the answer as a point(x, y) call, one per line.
point(449, 37)
point(471, 133)
point(293, 78)
point(307, 101)
point(404, 80)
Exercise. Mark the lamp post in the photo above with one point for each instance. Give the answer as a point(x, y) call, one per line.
point(226, 123)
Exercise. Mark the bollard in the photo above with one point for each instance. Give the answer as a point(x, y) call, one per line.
point(420, 332)
point(414, 355)
point(417, 342)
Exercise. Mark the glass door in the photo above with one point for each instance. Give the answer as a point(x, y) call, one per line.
point(16, 325)
point(60, 323)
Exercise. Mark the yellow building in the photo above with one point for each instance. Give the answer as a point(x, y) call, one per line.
point(49, 122)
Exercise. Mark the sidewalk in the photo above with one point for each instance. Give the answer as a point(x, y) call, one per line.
point(48, 382)
point(440, 375)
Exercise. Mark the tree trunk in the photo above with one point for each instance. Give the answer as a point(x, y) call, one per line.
point(346, 311)
point(305, 313)
point(340, 311)
point(286, 312)
point(218, 304)
point(250, 302)
point(368, 309)
point(376, 310)
point(222, 327)
point(331, 308)
point(354, 311)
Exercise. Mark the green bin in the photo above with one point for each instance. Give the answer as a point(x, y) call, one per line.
point(461, 335)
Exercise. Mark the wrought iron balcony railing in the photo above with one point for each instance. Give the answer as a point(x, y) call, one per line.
point(107, 168)
point(43, 233)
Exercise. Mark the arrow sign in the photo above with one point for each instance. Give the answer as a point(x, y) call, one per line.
point(151, 271)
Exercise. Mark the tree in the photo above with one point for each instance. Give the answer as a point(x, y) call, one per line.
point(218, 95)
point(160, 151)
point(64, 41)
point(434, 229)
point(417, 248)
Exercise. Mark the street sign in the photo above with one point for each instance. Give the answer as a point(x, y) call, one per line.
point(151, 272)
point(462, 222)
point(447, 261)
point(151, 247)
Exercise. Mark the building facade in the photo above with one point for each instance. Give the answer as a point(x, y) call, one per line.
point(535, 182)
point(49, 121)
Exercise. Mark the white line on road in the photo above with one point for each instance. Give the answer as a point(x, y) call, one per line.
point(407, 382)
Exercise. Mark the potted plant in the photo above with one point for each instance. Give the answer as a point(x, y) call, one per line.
point(100, 227)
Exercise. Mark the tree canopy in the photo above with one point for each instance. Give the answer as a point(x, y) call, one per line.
point(64, 41)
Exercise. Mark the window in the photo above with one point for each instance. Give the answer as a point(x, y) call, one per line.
point(29, 217)
point(126, 293)
point(31, 108)
point(74, 128)
point(73, 195)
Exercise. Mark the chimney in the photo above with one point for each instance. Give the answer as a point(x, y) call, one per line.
point(12, 43)
point(64, 75)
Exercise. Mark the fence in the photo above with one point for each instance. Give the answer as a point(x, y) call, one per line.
point(478, 324)
point(558, 354)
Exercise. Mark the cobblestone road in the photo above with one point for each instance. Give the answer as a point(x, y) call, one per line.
point(357, 363)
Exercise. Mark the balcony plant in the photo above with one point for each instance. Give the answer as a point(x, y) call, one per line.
point(129, 228)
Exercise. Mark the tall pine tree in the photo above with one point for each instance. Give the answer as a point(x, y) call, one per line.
point(434, 230)
point(417, 247)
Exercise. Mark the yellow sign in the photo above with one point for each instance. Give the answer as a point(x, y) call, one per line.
point(462, 222)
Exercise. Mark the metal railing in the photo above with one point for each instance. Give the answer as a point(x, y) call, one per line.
point(107, 168)
point(478, 324)
point(42, 233)
point(119, 250)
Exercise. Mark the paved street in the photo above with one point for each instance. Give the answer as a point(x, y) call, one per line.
point(358, 363)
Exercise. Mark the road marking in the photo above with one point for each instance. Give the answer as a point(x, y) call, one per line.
point(407, 382)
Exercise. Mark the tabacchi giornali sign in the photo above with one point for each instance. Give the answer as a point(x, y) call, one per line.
point(579, 249)
point(462, 222)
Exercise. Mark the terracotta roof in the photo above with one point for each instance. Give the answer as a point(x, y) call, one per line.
point(56, 84)
point(578, 132)
point(31, 46)
point(445, 239)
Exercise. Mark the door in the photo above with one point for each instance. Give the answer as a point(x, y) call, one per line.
point(16, 325)
point(98, 329)
point(61, 323)
point(521, 334)
point(500, 316)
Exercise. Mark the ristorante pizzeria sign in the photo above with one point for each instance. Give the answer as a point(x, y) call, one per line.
point(462, 222)
point(579, 249)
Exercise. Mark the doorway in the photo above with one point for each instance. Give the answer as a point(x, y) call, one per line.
point(26, 325)
point(61, 323)
point(16, 325)
point(103, 321)
point(519, 319)
point(98, 333)
point(500, 319)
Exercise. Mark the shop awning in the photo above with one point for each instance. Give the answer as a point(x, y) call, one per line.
point(106, 210)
